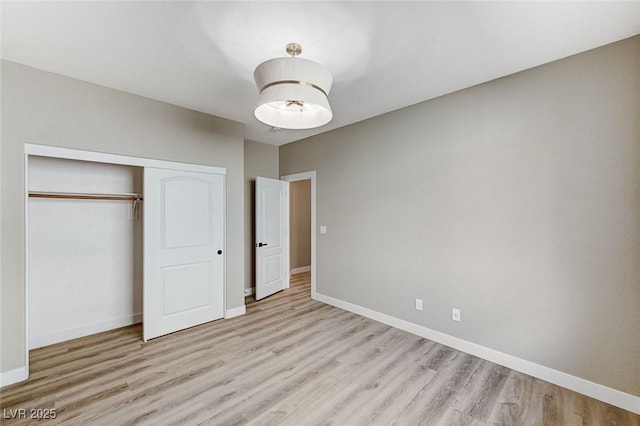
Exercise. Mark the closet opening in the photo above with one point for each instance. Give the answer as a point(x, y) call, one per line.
point(114, 240)
point(85, 248)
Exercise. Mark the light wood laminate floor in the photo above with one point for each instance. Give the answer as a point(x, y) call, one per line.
point(289, 361)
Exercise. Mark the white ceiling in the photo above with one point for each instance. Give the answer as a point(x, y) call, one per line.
point(383, 55)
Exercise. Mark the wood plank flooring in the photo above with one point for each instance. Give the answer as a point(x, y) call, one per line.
point(289, 361)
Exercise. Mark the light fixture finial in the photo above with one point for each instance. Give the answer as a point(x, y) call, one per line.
point(294, 49)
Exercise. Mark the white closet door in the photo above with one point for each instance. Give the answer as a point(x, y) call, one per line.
point(183, 250)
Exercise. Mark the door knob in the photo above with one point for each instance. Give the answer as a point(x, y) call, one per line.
point(219, 251)
point(262, 244)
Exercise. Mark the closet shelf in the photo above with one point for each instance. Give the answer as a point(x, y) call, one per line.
point(86, 196)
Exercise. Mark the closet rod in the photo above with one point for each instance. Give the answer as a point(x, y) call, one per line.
point(85, 196)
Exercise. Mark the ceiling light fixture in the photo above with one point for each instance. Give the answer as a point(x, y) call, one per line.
point(293, 92)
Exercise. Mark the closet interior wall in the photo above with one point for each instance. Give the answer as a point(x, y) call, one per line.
point(85, 255)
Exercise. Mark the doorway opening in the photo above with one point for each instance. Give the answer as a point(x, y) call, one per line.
point(302, 226)
point(300, 232)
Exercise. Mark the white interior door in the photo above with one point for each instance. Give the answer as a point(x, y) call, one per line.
point(183, 250)
point(272, 236)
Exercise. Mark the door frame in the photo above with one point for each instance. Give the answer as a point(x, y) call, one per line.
point(312, 177)
point(101, 157)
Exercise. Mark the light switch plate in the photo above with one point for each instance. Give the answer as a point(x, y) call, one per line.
point(323, 229)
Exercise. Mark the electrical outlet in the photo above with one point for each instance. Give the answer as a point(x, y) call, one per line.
point(418, 304)
point(455, 314)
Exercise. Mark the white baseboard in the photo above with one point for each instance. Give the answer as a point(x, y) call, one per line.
point(14, 376)
point(235, 312)
point(300, 270)
point(248, 291)
point(74, 333)
point(594, 390)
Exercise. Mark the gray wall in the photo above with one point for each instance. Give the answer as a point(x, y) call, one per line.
point(48, 109)
point(517, 201)
point(300, 223)
point(259, 160)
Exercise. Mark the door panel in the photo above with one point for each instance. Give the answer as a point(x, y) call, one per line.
point(185, 219)
point(184, 242)
point(272, 236)
point(272, 200)
point(200, 294)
